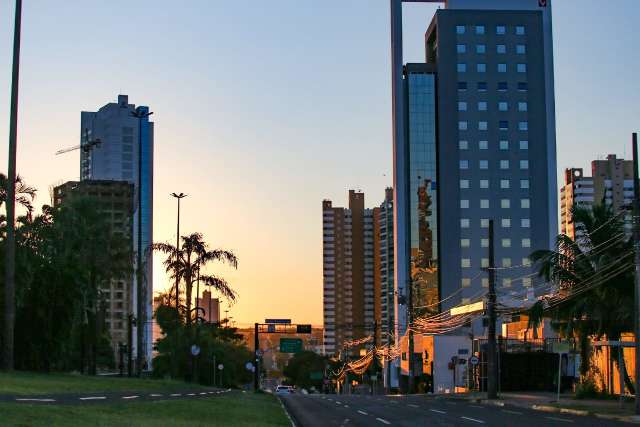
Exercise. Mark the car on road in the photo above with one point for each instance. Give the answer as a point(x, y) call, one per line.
point(284, 389)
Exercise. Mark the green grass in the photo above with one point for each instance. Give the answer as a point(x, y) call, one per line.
point(28, 383)
point(234, 409)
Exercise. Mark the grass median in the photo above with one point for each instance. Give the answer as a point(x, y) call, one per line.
point(234, 409)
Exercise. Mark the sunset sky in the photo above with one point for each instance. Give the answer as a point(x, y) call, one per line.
point(264, 108)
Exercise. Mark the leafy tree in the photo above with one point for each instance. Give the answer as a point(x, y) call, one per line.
point(301, 365)
point(595, 277)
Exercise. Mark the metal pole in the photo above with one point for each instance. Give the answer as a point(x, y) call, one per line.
point(620, 373)
point(559, 373)
point(636, 246)
point(140, 303)
point(215, 366)
point(10, 259)
point(492, 375)
point(256, 348)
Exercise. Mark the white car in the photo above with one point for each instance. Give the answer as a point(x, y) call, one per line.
point(284, 389)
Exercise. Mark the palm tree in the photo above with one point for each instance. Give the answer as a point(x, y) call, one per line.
point(594, 276)
point(188, 263)
point(25, 194)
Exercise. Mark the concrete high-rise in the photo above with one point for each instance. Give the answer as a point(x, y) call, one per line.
point(126, 154)
point(474, 140)
point(383, 261)
point(611, 182)
point(114, 200)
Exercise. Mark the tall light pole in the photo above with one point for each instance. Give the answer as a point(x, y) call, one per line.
point(178, 196)
point(636, 261)
point(140, 113)
point(10, 257)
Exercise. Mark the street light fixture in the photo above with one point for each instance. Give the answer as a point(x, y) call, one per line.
point(178, 196)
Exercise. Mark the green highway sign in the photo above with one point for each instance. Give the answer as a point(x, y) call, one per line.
point(290, 345)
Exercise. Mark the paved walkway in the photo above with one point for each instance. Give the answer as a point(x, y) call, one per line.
point(110, 397)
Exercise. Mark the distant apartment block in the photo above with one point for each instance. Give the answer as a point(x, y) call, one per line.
point(383, 259)
point(210, 307)
point(115, 202)
point(611, 182)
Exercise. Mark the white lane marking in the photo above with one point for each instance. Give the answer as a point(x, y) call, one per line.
point(559, 419)
point(35, 400)
point(476, 406)
point(362, 412)
point(438, 412)
point(512, 412)
point(191, 394)
point(394, 401)
point(338, 403)
point(412, 405)
point(382, 420)
point(346, 406)
point(473, 419)
point(130, 397)
point(93, 398)
point(155, 395)
point(203, 393)
point(176, 394)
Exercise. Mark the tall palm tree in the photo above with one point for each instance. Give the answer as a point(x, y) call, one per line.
point(594, 276)
point(188, 264)
point(25, 194)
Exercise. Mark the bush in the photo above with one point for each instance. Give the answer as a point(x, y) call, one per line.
point(587, 389)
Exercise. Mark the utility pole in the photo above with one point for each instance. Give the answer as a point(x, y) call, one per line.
point(256, 348)
point(492, 365)
point(409, 324)
point(636, 246)
point(174, 360)
point(10, 257)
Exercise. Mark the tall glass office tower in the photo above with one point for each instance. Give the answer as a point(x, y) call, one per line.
point(126, 154)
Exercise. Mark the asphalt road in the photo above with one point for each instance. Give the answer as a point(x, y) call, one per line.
point(366, 411)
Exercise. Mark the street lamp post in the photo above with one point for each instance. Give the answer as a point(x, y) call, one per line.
point(178, 196)
point(140, 114)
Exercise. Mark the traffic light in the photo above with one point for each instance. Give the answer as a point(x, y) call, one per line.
point(303, 329)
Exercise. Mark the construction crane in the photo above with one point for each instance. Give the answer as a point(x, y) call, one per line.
point(86, 147)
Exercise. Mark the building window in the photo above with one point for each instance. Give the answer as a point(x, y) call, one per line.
point(521, 49)
point(464, 183)
point(520, 30)
point(461, 48)
point(505, 203)
point(462, 67)
point(502, 86)
point(504, 145)
point(503, 125)
point(522, 106)
point(503, 106)
point(484, 243)
point(464, 223)
point(462, 85)
point(524, 183)
point(524, 164)
point(505, 222)
point(480, 48)
point(506, 282)
point(506, 243)
point(484, 262)
point(525, 223)
point(464, 164)
point(505, 184)
point(500, 48)
point(482, 125)
point(523, 125)
point(526, 282)
point(484, 183)
point(482, 86)
point(502, 68)
point(465, 262)
point(479, 29)
point(484, 204)
point(526, 262)
point(462, 125)
point(484, 164)
point(501, 29)
point(483, 145)
point(460, 29)
point(465, 243)
point(484, 222)
point(521, 68)
point(481, 67)
point(504, 164)
point(464, 204)
point(462, 106)
point(463, 145)
point(485, 282)
point(525, 203)
point(524, 145)
point(522, 86)
point(466, 282)
point(482, 105)
point(526, 243)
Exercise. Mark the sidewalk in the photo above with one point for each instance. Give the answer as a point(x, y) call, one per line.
point(546, 401)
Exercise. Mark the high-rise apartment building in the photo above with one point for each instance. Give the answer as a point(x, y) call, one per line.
point(383, 261)
point(114, 200)
point(125, 153)
point(611, 182)
point(348, 273)
point(210, 307)
point(474, 141)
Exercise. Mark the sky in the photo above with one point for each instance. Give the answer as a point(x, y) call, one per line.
point(262, 109)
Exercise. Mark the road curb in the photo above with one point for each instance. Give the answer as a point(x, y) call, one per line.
point(286, 411)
